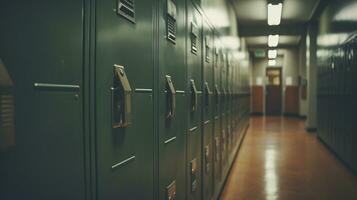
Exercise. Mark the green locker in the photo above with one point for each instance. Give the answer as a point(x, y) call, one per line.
point(208, 108)
point(229, 105)
point(217, 114)
point(172, 99)
point(194, 81)
point(41, 100)
point(124, 71)
point(235, 102)
point(224, 131)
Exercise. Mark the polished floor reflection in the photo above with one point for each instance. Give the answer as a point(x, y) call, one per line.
point(279, 160)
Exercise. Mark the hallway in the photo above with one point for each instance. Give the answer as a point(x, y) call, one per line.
point(280, 160)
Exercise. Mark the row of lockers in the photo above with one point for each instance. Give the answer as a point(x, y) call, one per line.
point(116, 100)
point(337, 99)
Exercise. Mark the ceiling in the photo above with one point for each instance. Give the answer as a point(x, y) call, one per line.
point(262, 41)
point(252, 20)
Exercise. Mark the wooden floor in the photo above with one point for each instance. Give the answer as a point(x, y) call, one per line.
point(279, 160)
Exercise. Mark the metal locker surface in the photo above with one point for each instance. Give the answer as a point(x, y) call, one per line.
point(194, 81)
point(172, 130)
point(224, 130)
point(41, 49)
point(124, 153)
point(217, 182)
point(207, 109)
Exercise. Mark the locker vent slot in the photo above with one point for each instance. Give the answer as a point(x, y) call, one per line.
point(171, 191)
point(194, 38)
point(7, 121)
point(171, 21)
point(7, 111)
point(126, 9)
point(171, 29)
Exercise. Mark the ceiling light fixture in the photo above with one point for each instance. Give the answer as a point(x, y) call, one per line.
point(273, 40)
point(274, 14)
point(272, 63)
point(272, 54)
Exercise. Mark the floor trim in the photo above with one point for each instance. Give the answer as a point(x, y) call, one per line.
point(233, 161)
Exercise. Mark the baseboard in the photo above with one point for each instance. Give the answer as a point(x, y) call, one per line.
point(256, 114)
point(291, 115)
point(311, 129)
point(344, 163)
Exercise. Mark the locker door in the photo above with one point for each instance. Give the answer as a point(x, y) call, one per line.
point(194, 67)
point(224, 134)
point(208, 105)
point(229, 106)
point(124, 100)
point(234, 104)
point(172, 118)
point(217, 115)
point(41, 100)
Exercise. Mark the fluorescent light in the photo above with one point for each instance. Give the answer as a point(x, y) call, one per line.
point(272, 63)
point(272, 54)
point(273, 40)
point(274, 14)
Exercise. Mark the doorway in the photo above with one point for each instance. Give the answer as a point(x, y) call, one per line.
point(273, 98)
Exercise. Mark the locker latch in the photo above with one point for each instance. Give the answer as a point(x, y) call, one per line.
point(207, 160)
point(193, 175)
point(217, 93)
point(229, 93)
point(193, 96)
point(223, 141)
point(171, 98)
point(224, 93)
point(207, 94)
point(121, 98)
point(171, 191)
point(208, 47)
point(217, 149)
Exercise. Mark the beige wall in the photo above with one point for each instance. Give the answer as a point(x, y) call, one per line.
point(288, 60)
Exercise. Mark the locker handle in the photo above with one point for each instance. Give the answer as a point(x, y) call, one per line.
point(171, 98)
point(193, 96)
point(224, 93)
point(217, 93)
point(229, 94)
point(207, 94)
point(121, 98)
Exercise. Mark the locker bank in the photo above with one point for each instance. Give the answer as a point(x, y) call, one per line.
point(116, 100)
point(161, 99)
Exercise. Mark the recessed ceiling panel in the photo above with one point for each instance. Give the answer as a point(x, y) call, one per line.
point(263, 40)
point(251, 11)
point(298, 10)
point(254, 12)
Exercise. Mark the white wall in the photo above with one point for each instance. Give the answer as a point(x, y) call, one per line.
point(302, 72)
point(311, 61)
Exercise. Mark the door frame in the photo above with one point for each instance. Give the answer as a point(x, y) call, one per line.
point(280, 68)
